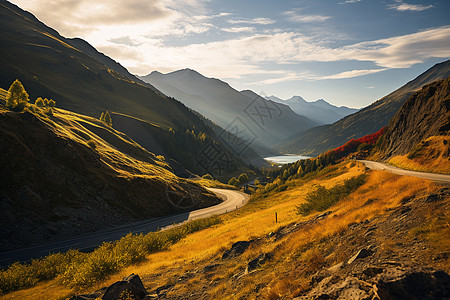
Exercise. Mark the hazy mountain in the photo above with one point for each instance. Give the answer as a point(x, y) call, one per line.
point(320, 111)
point(87, 48)
point(259, 121)
point(81, 79)
point(368, 120)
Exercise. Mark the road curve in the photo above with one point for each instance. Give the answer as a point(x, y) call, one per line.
point(232, 200)
point(374, 165)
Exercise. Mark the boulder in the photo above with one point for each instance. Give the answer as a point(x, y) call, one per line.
point(236, 249)
point(130, 287)
point(260, 260)
point(397, 283)
point(363, 253)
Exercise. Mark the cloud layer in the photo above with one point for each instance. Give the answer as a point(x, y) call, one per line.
point(145, 35)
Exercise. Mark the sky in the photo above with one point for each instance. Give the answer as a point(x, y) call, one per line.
point(348, 52)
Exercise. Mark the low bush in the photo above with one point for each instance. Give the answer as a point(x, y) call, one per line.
point(77, 269)
point(323, 198)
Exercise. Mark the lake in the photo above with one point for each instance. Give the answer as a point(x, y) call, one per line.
point(285, 159)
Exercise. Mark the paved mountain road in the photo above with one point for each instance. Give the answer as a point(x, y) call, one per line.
point(381, 166)
point(232, 201)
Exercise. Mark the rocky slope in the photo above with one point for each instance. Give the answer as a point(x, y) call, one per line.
point(400, 252)
point(64, 174)
point(425, 114)
point(366, 121)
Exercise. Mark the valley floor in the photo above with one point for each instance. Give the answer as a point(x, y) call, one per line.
point(391, 228)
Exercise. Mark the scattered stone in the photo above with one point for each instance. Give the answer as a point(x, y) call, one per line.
point(237, 249)
point(130, 287)
point(95, 295)
point(209, 268)
point(260, 260)
point(162, 290)
point(363, 253)
point(372, 271)
point(349, 288)
point(336, 267)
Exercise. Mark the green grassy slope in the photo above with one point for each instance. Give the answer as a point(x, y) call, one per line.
point(65, 174)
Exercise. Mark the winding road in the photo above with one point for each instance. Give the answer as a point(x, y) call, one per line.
point(374, 165)
point(232, 200)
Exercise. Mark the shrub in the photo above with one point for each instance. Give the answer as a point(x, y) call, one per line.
point(323, 198)
point(39, 102)
point(243, 178)
point(91, 143)
point(77, 269)
point(207, 176)
point(233, 181)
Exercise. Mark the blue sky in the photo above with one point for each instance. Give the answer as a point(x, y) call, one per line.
point(348, 52)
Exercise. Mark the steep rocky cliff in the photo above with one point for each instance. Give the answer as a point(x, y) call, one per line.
point(425, 114)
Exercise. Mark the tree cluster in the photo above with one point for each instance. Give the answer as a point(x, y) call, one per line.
point(44, 102)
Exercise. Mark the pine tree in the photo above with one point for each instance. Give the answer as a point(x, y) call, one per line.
point(107, 119)
point(17, 95)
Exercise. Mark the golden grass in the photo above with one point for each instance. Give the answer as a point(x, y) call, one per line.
point(434, 157)
point(213, 183)
point(295, 256)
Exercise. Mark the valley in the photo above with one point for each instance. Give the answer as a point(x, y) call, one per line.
point(191, 183)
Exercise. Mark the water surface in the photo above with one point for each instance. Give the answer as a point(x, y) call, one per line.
point(285, 159)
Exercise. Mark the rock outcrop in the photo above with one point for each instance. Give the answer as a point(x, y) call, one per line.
point(426, 113)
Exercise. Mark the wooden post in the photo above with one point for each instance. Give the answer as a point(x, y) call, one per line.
point(276, 217)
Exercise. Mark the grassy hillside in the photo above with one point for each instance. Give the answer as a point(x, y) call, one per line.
point(51, 65)
point(378, 216)
point(64, 174)
point(368, 120)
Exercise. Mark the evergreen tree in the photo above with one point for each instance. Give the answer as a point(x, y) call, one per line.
point(106, 118)
point(17, 95)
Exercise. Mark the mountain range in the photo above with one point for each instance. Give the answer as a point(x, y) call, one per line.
point(81, 79)
point(366, 121)
point(319, 111)
point(258, 120)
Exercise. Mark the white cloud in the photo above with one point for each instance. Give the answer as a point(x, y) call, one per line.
point(238, 29)
point(402, 51)
point(294, 16)
point(106, 17)
point(239, 57)
point(409, 7)
point(352, 73)
point(259, 21)
point(350, 1)
point(209, 17)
